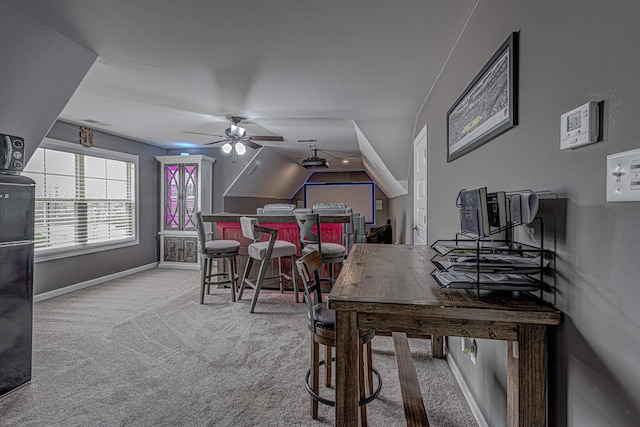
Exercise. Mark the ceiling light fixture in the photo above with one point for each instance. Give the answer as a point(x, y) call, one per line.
point(226, 148)
point(240, 148)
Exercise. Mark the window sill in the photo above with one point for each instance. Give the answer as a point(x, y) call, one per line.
point(84, 250)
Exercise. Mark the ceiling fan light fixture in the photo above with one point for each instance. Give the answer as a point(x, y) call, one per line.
point(226, 148)
point(240, 148)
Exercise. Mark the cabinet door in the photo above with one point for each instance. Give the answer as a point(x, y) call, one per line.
point(181, 249)
point(190, 196)
point(172, 249)
point(190, 250)
point(172, 197)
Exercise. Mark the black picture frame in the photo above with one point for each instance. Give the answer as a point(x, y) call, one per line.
point(488, 106)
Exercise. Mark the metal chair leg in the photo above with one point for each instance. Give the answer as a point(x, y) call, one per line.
point(294, 278)
point(203, 278)
point(263, 272)
point(245, 277)
point(232, 281)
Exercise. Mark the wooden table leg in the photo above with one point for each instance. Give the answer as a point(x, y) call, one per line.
point(347, 387)
point(437, 346)
point(526, 377)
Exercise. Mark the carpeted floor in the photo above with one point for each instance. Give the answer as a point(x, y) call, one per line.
point(141, 351)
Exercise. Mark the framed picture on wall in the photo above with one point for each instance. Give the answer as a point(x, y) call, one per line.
point(488, 106)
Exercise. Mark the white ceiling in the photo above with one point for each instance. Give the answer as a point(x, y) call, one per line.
point(298, 68)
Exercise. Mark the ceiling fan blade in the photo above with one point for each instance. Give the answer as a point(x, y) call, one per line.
point(251, 144)
point(202, 133)
point(267, 138)
point(216, 142)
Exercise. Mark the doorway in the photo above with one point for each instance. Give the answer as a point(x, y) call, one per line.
point(420, 188)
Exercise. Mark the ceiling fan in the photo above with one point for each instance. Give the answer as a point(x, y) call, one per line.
point(235, 138)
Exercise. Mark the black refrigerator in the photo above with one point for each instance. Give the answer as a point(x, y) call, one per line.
point(17, 194)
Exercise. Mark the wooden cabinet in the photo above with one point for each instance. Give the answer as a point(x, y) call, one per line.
point(180, 249)
point(186, 187)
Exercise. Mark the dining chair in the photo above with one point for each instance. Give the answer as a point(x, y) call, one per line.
point(211, 250)
point(310, 240)
point(322, 325)
point(265, 251)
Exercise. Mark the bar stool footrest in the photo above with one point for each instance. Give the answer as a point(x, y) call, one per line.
point(325, 401)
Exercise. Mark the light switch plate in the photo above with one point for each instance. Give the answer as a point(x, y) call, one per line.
point(623, 176)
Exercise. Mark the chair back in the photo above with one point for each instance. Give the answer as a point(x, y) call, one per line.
point(202, 237)
point(359, 229)
point(276, 209)
point(306, 223)
point(248, 226)
point(308, 266)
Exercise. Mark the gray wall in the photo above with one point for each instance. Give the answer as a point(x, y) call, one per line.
point(50, 275)
point(248, 205)
point(571, 52)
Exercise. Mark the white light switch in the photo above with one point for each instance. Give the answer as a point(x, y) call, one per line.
point(623, 176)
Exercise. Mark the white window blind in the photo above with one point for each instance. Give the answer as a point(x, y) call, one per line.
point(83, 201)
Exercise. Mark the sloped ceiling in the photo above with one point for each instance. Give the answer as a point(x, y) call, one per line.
point(377, 169)
point(392, 139)
point(39, 72)
point(269, 175)
point(303, 69)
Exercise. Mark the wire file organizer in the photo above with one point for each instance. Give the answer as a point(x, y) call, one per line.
point(492, 263)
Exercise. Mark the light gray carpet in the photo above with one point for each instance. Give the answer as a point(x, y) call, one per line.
point(141, 351)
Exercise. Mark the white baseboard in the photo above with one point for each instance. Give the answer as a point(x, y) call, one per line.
point(92, 282)
point(475, 409)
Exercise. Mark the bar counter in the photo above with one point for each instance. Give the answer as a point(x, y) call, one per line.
point(227, 227)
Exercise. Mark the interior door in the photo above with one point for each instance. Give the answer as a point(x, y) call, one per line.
point(420, 188)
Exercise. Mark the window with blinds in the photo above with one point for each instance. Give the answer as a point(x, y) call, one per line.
point(85, 198)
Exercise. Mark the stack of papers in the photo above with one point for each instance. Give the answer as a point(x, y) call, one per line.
point(492, 263)
point(489, 281)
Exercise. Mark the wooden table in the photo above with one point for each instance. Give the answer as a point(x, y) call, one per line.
point(388, 288)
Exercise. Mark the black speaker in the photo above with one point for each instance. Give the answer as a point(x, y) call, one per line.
point(11, 153)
